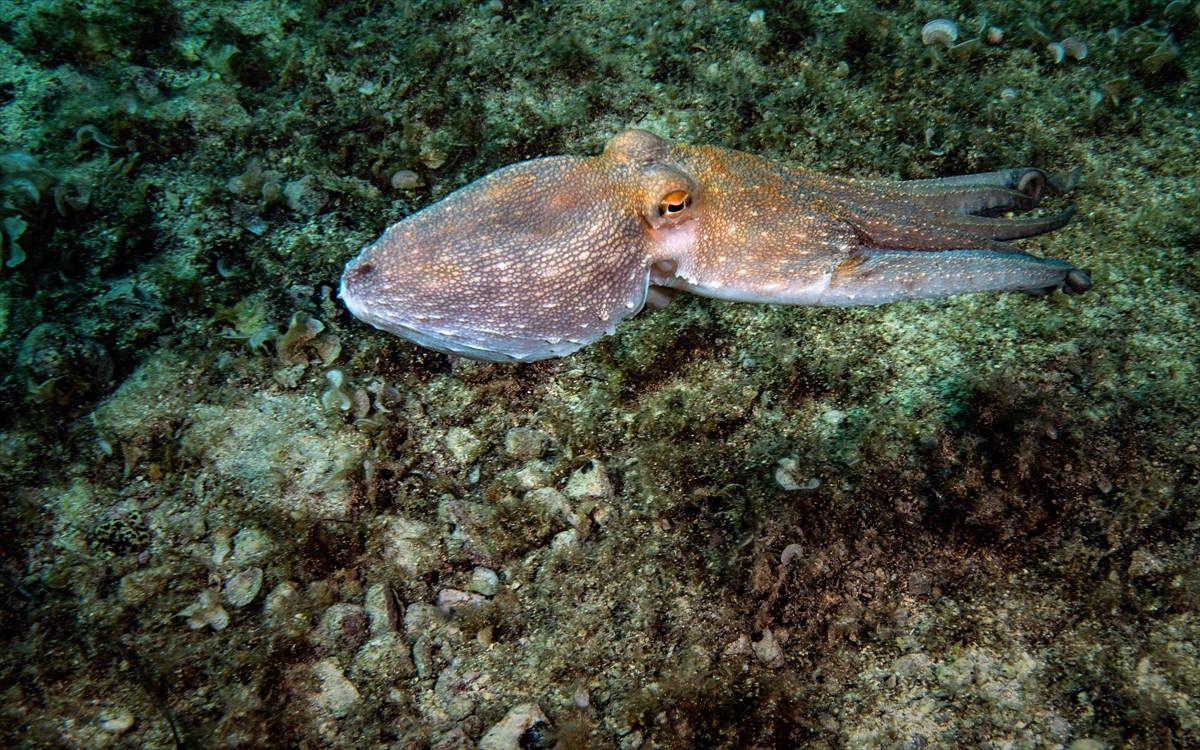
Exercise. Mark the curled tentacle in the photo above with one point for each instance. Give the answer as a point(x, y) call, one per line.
point(1003, 230)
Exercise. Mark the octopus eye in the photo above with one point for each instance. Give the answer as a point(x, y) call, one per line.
point(674, 203)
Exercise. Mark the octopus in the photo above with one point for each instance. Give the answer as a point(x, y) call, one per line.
point(541, 258)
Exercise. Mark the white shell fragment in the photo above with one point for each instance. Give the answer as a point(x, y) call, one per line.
point(941, 31)
point(790, 552)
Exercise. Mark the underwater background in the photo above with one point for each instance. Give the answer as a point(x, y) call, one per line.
point(233, 516)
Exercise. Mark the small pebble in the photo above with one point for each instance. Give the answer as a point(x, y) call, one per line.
point(383, 609)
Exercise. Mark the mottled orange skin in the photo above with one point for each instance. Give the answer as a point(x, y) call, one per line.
point(540, 258)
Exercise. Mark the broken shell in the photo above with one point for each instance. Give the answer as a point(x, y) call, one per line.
point(406, 179)
point(994, 35)
point(1074, 47)
point(243, 587)
point(1056, 49)
point(791, 552)
point(1166, 52)
point(941, 31)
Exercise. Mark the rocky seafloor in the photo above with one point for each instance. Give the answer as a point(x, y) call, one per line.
point(234, 517)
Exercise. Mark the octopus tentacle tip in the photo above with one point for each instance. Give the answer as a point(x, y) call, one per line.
point(1078, 281)
point(1067, 183)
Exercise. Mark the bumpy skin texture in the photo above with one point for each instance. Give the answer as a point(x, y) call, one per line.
point(541, 258)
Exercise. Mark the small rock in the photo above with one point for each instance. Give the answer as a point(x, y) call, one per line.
point(525, 444)
point(554, 501)
point(533, 475)
point(343, 626)
point(565, 541)
point(450, 600)
point(243, 587)
point(1144, 563)
point(337, 694)
point(768, 651)
point(484, 581)
point(740, 647)
point(411, 546)
point(919, 584)
point(463, 445)
point(632, 741)
point(282, 602)
point(420, 619)
point(455, 739)
point(589, 482)
point(956, 674)
point(304, 197)
point(190, 526)
point(506, 735)
point(385, 658)
point(383, 609)
point(422, 654)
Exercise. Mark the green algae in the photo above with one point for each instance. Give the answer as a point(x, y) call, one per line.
point(1001, 548)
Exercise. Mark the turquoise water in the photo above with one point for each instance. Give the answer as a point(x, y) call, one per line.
point(236, 516)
